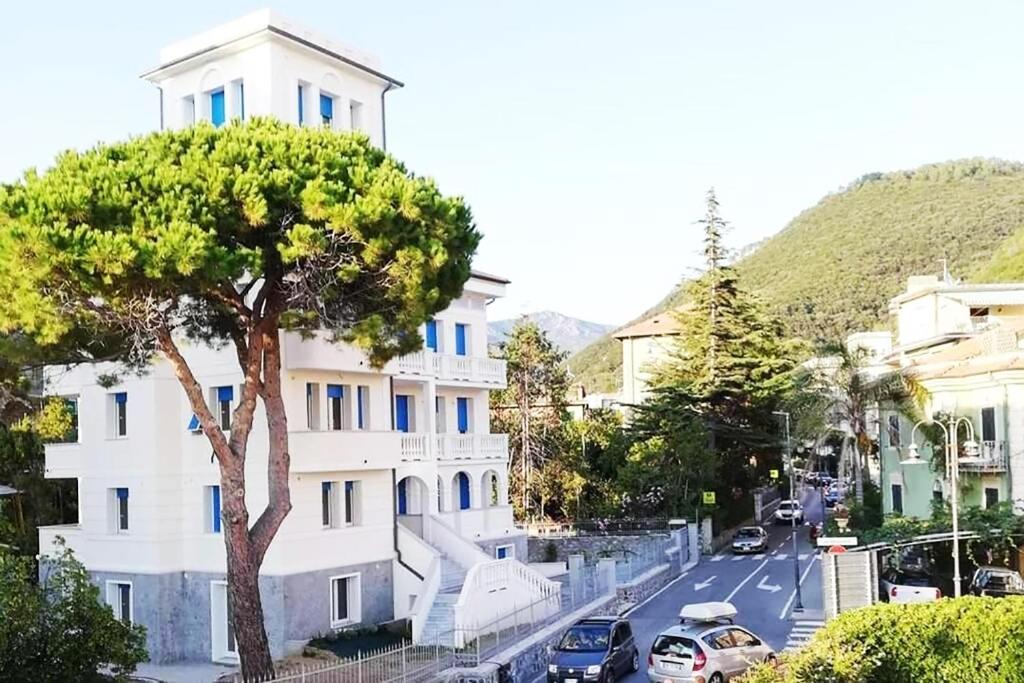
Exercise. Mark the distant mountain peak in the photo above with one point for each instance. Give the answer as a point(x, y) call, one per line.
point(568, 333)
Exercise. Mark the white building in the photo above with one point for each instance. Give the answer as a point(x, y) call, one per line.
point(399, 491)
point(645, 345)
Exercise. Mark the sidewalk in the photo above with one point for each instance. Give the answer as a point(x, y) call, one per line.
point(182, 673)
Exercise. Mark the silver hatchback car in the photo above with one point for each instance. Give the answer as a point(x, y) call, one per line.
point(705, 648)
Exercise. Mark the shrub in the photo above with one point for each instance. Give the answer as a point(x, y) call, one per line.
point(58, 630)
point(551, 552)
point(967, 639)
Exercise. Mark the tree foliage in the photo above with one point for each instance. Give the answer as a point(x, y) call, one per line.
point(968, 639)
point(880, 230)
point(58, 630)
point(228, 236)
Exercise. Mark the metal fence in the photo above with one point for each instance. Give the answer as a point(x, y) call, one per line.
point(408, 663)
point(403, 662)
point(598, 527)
point(642, 558)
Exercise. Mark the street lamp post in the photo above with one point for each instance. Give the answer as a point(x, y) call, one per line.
point(788, 460)
point(953, 461)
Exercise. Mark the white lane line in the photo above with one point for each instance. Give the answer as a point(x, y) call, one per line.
point(802, 556)
point(718, 558)
point(759, 556)
point(781, 556)
point(792, 596)
point(744, 581)
point(738, 558)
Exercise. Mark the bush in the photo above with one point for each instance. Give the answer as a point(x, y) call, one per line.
point(59, 630)
point(967, 639)
point(551, 552)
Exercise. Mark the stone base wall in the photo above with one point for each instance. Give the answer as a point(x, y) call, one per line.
point(175, 607)
point(591, 547)
point(635, 592)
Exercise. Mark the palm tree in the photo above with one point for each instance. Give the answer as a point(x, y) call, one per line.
point(855, 385)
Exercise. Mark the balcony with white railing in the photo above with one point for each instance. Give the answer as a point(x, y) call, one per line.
point(448, 368)
point(994, 457)
point(471, 447)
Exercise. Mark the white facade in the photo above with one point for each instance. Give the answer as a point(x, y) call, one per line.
point(645, 345)
point(398, 488)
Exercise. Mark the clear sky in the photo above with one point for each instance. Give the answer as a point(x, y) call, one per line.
point(584, 134)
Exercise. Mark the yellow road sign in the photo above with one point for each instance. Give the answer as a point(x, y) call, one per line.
point(709, 497)
point(774, 474)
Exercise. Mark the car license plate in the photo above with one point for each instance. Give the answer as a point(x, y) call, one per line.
point(672, 667)
point(571, 680)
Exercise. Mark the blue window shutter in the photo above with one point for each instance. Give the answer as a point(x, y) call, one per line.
point(302, 113)
point(193, 424)
point(121, 397)
point(460, 339)
point(462, 405)
point(217, 107)
point(402, 502)
point(122, 494)
point(335, 391)
point(215, 496)
point(463, 491)
point(326, 107)
point(432, 334)
point(502, 553)
point(225, 393)
point(401, 413)
point(360, 394)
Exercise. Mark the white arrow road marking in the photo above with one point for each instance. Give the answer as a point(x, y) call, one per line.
point(744, 581)
point(704, 584)
point(771, 588)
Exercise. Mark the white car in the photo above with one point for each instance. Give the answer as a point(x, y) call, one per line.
point(788, 511)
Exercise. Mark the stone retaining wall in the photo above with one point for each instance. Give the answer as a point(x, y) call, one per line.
point(591, 547)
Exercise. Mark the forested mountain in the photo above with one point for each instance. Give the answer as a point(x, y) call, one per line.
point(568, 333)
point(833, 269)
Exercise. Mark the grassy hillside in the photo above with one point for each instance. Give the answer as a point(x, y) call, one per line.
point(833, 269)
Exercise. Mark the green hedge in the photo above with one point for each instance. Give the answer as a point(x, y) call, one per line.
point(968, 639)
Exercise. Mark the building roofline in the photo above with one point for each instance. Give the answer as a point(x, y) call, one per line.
point(944, 288)
point(271, 29)
point(489, 278)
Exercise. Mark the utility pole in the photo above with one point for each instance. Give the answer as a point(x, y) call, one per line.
point(788, 460)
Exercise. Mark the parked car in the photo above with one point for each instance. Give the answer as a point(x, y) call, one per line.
point(787, 511)
point(997, 582)
point(902, 586)
point(750, 539)
point(595, 649)
point(706, 646)
point(831, 497)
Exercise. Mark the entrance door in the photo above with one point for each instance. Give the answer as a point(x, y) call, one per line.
point(222, 632)
point(402, 412)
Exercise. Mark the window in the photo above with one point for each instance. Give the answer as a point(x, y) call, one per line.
point(222, 399)
point(897, 498)
point(302, 104)
point(988, 424)
point(403, 413)
point(119, 597)
point(312, 405)
point(71, 406)
point(720, 640)
point(431, 335)
point(894, 431)
point(327, 110)
point(991, 497)
point(362, 407)
point(460, 340)
point(188, 110)
point(335, 394)
point(503, 551)
point(119, 414)
point(462, 410)
point(355, 110)
point(217, 107)
point(439, 415)
point(937, 492)
point(118, 510)
point(352, 502)
point(328, 503)
point(741, 638)
point(464, 500)
point(345, 599)
point(211, 503)
point(618, 637)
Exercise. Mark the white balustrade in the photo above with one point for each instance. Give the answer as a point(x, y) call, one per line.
point(414, 448)
point(472, 446)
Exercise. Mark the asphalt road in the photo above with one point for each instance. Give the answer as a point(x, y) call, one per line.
point(760, 586)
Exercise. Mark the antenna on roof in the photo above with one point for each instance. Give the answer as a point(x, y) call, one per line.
point(946, 277)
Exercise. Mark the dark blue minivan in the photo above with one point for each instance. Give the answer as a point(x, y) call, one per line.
point(595, 649)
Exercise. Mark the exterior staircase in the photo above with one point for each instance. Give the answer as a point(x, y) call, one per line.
point(440, 626)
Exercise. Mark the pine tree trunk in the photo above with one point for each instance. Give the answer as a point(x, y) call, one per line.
point(858, 474)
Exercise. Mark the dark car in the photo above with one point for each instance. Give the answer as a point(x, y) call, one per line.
point(596, 649)
point(831, 498)
point(997, 582)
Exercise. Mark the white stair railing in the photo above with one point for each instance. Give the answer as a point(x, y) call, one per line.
point(448, 541)
point(427, 561)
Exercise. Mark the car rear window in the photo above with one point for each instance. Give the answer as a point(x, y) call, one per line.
point(673, 646)
point(585, 638)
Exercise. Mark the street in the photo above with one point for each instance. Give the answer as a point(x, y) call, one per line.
point(760, 586)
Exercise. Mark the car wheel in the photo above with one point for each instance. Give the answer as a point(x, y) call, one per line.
point(609, 675)
point(636, 661)
point(717, 678)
